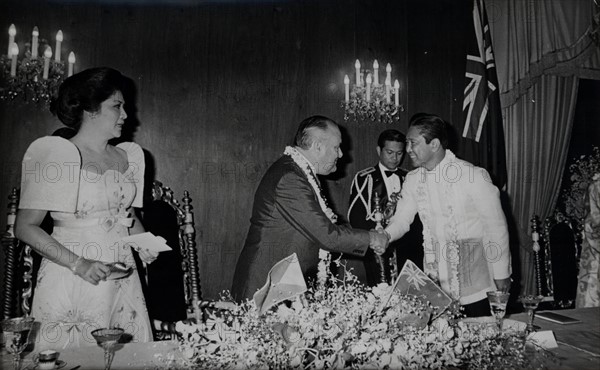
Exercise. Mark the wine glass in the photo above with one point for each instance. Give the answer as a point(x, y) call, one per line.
point(531, 302)
point(17, 332)
point(107, 339)
point(498, 301)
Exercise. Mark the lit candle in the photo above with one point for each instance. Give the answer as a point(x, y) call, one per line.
point(357, 67)
point(59, 39)
point(388, 87)
point(347, 88)
point(369, 80)
point(375, 72)
point(71, 63)
point(12, 31)
point(34, 42)
point(397, 93)
point(47, 56)
point(388, 69)
point(14, 52)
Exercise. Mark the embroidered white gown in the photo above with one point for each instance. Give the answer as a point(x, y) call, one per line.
point(88, 211)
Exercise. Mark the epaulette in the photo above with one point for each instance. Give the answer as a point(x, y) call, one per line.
point(366, 171)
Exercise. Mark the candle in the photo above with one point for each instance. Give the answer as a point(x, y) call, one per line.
point(388, 87)
point(388, 69)
point(12, 31)
point(347, 88)
point(14, 52)
point(71, 63)
point(59, 39)
point(397, 93)
point(536, 245)
point(369, 80)
point(375, 72)
point(47, 56)
point(34, 42)
point(357, 67)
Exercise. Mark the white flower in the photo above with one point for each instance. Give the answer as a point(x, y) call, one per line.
point(358, 349)
point(381, 290)
point(189, 353)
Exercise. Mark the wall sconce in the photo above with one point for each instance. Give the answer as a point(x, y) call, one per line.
point(26, 75)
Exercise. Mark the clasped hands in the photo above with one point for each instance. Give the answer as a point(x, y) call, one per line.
point(379, 240)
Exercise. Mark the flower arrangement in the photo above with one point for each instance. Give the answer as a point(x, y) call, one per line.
point(342, 326)
point(28, 83)
point(583, 172)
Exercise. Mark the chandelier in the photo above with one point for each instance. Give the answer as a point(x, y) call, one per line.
point(369, 100)
point(34, 78)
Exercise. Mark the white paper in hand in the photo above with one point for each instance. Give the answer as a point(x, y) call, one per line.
point(148, 241)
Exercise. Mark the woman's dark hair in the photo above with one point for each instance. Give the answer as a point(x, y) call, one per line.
point(431, 127)
point(85, 91)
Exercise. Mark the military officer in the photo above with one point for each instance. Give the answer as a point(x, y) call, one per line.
point(384, 179)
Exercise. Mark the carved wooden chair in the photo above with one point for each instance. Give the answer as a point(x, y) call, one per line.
point(20, 266)
point(556, 253)
point(173, 283)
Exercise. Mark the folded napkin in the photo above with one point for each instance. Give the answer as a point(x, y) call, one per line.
point(148, 241)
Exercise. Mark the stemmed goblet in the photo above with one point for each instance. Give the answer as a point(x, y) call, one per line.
point(498, 301)
point(16, 331)
point(107, 339)
point(531, 302)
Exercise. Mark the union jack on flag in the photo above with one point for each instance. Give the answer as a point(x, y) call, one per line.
point(480, 75)
point(413, 281)
point(482, 141)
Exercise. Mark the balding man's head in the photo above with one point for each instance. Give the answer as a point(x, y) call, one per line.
point(312, 129)
point(319, 139)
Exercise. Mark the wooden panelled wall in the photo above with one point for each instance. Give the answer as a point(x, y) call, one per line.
point(222, 85)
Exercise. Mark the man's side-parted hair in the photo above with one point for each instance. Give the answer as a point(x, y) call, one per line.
point(431, 127)
point(390, 135)
point(305, 135)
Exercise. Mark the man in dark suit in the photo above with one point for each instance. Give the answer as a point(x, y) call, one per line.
point(290, 213)
point(384, 179)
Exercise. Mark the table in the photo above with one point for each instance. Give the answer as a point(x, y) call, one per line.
point(578, 344)
point(135, 356)
point(578, 347)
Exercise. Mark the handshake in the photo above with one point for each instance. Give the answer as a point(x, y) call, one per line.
point(379, 240)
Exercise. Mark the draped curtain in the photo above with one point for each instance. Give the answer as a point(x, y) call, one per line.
point(542, 49)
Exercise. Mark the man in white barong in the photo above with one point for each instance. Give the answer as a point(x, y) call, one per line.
point(465, 237)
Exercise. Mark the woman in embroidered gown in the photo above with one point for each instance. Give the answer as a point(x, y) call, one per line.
point(588, 289)
point(89, 187)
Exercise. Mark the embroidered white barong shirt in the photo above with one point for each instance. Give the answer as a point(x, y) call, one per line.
point(464, 228)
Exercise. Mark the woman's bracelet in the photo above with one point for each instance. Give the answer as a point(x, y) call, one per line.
point(73, 268)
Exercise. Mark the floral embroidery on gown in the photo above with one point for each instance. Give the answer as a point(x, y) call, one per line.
point(588, 287)
point(89, 213)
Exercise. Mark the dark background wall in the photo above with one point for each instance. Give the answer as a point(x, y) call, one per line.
point(222, 85)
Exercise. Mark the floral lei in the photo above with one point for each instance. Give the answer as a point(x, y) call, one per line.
point(302, 162)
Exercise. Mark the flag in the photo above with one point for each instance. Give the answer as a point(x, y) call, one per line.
point(481, 137)
point(413, 281)
point(284, 281)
